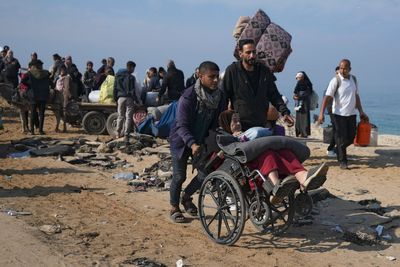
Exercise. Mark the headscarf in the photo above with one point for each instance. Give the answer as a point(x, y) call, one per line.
point(207, 98)
point(306, 80)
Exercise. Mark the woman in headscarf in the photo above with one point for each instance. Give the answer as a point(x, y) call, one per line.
point(302, 93)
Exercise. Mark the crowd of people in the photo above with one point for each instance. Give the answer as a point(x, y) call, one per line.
point(63, 82)
point(238, 104)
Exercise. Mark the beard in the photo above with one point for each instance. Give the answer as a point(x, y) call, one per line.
point(250, 61)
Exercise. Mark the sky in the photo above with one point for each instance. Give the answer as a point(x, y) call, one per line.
point(150, 32)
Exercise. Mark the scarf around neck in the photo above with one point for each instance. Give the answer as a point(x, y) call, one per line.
point(207, 99)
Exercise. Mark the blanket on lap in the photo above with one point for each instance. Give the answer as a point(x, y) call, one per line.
point(247, 151)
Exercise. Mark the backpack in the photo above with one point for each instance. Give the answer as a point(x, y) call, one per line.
point(338, 84)
point(314, 100)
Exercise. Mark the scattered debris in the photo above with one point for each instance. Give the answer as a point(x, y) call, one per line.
point(394, 214)
point(17, 213)
point(50, 229)
point(361, 235)
point(379, 230)
point(126, 176)
point(391, 258)
point(143, 261)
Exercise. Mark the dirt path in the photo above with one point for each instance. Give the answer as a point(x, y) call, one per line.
point(103, 225)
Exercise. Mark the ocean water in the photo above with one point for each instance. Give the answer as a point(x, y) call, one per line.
point(382, 106)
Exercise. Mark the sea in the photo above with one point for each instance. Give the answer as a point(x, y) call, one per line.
point(382, 107)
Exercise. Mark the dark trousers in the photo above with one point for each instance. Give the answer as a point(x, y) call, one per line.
point(332, 143)
point(345, 133)
point(179, 166)
point(41, 106)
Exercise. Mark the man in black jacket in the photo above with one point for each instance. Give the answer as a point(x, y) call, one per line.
point(38, 81)
point(174, 81)
point(250, 86)
point(127, 95)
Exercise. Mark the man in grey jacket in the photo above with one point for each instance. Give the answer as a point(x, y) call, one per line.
point(127, 95)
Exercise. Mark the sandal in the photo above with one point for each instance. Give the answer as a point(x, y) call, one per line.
point(188, 205)
point(177, 216)
point(316, 177)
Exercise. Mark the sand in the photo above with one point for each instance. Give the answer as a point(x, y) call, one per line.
point(104, 225)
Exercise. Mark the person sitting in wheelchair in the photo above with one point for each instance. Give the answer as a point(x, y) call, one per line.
point(282, 166)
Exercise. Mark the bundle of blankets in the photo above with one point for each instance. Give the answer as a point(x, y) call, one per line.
point(272, 42)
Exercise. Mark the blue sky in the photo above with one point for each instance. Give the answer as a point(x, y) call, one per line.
point(191, 31)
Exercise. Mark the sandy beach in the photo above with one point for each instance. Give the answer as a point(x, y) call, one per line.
point(101, 223)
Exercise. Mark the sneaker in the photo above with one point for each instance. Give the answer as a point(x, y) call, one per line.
point(316, 177)
point(343, 166)
point(298, 108)
point(331, 153)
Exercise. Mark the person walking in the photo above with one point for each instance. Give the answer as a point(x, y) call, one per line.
point(127, 95)
point(250, 86)
point(343, 90)
point(39, 82)
point(331, 149)
point(301, 95)
point(197, 113)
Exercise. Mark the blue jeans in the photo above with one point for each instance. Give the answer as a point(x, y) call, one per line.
point(179, 166)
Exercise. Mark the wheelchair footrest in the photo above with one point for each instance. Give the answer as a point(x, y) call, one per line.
point(268, 186)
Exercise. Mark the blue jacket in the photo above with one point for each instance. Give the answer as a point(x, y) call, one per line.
point(190, 127)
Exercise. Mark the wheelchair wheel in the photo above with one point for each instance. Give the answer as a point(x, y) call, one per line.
point(222, 208)
point(280, 217)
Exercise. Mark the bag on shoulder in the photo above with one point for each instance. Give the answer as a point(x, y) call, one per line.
point(314, 100)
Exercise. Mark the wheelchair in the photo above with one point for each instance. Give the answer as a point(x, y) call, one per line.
point(231, 194)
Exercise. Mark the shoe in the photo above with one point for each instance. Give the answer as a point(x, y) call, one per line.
point(42, 133)
point(343, 166)
point(331, 153)
point(188, 205)
point(286, 187)
point(298, 108)
point(176, 216)
point(316, 177)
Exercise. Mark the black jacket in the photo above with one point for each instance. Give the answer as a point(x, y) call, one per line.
point(39, 82)
point(174, 81)
point(191, 80)
point(252, 105)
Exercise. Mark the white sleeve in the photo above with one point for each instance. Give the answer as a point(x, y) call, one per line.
point(330, 91)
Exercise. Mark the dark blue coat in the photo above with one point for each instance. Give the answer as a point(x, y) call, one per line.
point(190, 127)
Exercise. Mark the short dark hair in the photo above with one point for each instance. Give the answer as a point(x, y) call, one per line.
point(153, 69)
point(130, 64)
point(63, 67)
point(161, 69)
point(89, 63)
point(208, 66)
point(245, 42)
point(56, 56)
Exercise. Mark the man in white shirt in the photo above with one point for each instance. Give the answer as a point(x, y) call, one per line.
point(343, 90)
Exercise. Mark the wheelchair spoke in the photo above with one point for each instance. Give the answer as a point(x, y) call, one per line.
point(212, 219)
point(226, 223)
